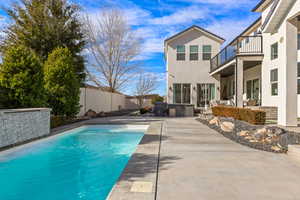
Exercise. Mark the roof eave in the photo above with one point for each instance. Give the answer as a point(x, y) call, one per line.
point(259, 7)
point(216, 37)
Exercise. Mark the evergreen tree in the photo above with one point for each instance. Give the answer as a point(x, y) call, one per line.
point(61, 83)
point(21, 79)
point(43, 25)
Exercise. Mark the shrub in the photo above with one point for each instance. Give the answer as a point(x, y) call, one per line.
point(21, 79)
point(57, 121)
point(61, 83)
point(256, 117)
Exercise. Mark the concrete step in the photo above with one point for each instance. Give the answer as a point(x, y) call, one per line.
point(294, 152)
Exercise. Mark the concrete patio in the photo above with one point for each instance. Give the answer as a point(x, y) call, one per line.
point(211, 167)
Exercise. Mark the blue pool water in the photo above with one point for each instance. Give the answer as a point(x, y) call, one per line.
point(83, 164)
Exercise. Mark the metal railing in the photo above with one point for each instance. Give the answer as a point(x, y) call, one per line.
point(243, 45)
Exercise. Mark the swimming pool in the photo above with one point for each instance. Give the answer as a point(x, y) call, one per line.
point(83, 163)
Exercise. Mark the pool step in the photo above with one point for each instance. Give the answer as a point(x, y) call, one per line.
point(294, 152)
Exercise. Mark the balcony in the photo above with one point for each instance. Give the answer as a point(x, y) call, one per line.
point(242, 46)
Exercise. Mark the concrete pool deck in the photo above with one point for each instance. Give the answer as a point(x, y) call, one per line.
point(197, 163)
point(211, 167)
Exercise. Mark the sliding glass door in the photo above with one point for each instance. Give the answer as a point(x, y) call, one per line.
point(182, 93)
point(253, 89)
point(205, 93)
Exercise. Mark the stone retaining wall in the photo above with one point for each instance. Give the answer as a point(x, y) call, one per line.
point(20, 125)
point(271, 112)
point(266, 138)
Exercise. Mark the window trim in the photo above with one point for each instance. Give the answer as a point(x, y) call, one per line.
point(178, 54)
point(206, 53)
point(194, 53)
point(273, 82)
point(273, 55)
point(181, 93)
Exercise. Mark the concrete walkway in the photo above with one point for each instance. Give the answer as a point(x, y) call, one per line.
point(200, 164)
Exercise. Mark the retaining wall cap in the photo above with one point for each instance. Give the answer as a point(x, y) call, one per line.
point(25, 110)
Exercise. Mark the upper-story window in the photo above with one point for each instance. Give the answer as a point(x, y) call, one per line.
point(206, 52)
point(194, 52)
point(274, 82)
point(180, 52)
point(274, 51)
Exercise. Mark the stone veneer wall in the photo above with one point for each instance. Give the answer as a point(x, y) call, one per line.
point(20, 125)
point(271, 112)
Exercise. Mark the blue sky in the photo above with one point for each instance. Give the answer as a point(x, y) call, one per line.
point(156, 20)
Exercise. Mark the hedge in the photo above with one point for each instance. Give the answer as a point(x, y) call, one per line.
point(256, 117)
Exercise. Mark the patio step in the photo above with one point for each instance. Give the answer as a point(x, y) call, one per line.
point(294, 152)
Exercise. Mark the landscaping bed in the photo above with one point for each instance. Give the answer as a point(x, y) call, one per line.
point(266, 138)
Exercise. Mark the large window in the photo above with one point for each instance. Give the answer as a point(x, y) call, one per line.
point(182, 93)
point(180, 52)
point(194, 52)
point(205, 93)
point(206, 52)
point(274, 82)
point(274, 51)
point(231, 88)
point(252, 87)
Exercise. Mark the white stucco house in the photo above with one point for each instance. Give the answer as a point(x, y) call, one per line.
point(258, 68)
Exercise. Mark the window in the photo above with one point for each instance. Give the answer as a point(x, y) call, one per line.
point(206, 52)
point(180, 52)
point(205, 94)
point(182, 93)
point(186, 93)
point(194, 52)
point(177, 93)
point(274, 82)
point(298, 79)
point(298, 41)
point(252, 87)
point(274, 51)
point(231, 88)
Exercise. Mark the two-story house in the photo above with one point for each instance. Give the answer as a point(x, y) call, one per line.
point(188, 55)
point(259, 67)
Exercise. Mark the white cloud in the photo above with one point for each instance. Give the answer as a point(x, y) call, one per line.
point(136, 16)
point(184, 15)
point(230, 28)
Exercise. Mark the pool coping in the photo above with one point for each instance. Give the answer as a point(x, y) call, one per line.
point(141, 169)
point(95, 121)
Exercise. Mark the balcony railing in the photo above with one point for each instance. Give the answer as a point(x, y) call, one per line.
point(243, 45)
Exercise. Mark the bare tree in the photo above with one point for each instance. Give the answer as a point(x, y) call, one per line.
point(113, 46)
point(146, 84)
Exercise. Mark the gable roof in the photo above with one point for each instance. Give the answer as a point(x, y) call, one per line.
point(194, 27)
